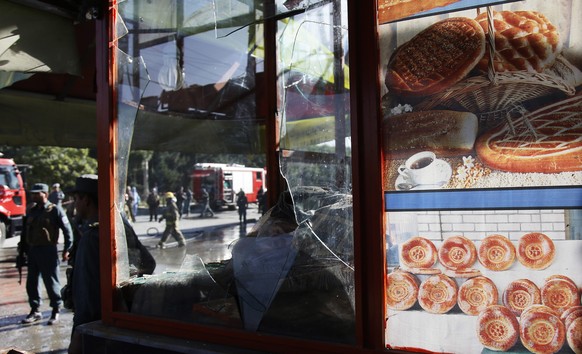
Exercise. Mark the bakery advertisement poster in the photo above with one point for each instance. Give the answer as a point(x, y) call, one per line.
point(511, 292)
point(487, 97)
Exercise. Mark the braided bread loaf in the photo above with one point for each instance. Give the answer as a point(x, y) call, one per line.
point(524, 40)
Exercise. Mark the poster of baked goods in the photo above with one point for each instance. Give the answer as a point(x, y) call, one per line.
point(513, 292)
point(393, 10)
point(488, 97)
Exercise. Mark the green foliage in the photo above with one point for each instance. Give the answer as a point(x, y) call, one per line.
point(49, 164)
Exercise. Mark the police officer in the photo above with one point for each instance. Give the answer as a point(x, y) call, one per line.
point(41, 234)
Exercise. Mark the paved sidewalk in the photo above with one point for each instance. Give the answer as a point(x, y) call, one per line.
point(37, 337)
point(40, 338)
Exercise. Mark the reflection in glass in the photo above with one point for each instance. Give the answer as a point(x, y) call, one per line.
point(191, 119)
point(315, 159)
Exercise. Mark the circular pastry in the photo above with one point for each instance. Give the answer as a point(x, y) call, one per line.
point(538, 308)
point(521, 294)
point(541, 331)
point(476, 294)
point(496, 252)
point(497, 328)
point(423, 271)
point(401, 290)
point(463, 273)
point(563, 277)
point(560, 295)
point(437, 294)
point(418, 252)
point(574, 335)
point(536, 250)
point(457, 252)
point(570, 315)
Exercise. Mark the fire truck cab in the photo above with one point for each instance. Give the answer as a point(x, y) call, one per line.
point(12, 199)
point(224, 181)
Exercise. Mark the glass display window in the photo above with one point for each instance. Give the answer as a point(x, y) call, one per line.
point(192, 118)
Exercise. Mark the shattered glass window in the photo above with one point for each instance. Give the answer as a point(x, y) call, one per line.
point(315, 151)
point(191, 114)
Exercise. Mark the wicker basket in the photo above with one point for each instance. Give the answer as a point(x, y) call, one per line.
point(492, 95)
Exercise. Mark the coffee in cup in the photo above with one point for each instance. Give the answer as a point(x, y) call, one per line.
point(419, 168)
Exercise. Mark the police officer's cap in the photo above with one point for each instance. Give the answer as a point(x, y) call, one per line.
point(39, 188)
point(86, 184)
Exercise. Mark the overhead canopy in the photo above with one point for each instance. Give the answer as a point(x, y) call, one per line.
point(36, 41)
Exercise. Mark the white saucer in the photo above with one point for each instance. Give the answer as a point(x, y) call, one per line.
point(441, 177)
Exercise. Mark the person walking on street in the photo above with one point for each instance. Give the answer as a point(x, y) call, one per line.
point(180, 196)
point(242, 203)
point(172, 217)
point(56, 195)
point(135, 202)
point(153, 204)
point(129, 204)
point(187, 202)
point(86, 268)
point(206, 204)
point(40, 237)
point(260, 199)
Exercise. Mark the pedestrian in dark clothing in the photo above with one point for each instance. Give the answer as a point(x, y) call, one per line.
point(260, 199)
point(153, 205)
point(86, 267)
point(171, 215)
point(180, 196)
point(40, 240)
point(242, 203)
point(187, 202)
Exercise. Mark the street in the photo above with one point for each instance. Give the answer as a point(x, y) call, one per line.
point(209, 238)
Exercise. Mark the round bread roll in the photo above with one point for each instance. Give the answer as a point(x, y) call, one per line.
point(436, 58)
point(541, 331)
point(462, 273)
point(521, 294)
point(437, 294)
point(457, 252)
point(497, 328)
point(496, 252)
point(538, 308)
point(563, 277)
point(560, 295)
point(524, 40)
point(418, 252)
point(570, 315)
point(536, 250)
point(574, 335)
point(401, 291)
point(476, 294)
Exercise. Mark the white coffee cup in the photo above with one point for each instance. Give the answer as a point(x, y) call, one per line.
point(419, 168)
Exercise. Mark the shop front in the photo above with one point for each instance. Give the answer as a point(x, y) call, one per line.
point(423, 172)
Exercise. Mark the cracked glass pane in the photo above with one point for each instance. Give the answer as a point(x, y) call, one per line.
point(315, 159)
point(192, 179)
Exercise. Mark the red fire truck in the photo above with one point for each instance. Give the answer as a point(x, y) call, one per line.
point(224, 181)
point(12, 199)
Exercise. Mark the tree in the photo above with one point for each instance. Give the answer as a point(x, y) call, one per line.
point(49, 164)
